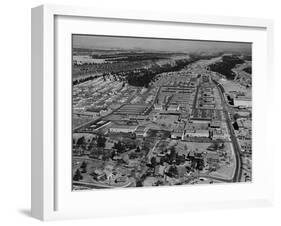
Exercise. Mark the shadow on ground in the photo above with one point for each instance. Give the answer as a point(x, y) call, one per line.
point(25, 212)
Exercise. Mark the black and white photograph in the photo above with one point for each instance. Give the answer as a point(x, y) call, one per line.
point(140, 113)
point(160, 112)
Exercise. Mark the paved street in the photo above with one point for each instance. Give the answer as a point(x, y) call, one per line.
point(237, 174)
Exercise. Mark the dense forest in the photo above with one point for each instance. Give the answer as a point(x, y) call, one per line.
point(248, 70)
point(114, 67)
point(145, 76)
point(224, 67)
point(81, 80)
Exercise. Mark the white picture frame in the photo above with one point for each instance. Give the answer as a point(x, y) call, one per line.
point(47, 188)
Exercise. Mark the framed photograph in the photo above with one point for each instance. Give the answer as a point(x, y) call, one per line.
point(142, 112)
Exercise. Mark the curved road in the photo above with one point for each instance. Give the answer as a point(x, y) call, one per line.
point(236, 147)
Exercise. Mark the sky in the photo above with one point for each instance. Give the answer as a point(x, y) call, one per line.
point(110, 42)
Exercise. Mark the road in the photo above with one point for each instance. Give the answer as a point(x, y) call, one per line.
point(100, 185)
point(236, 147)
point(150, 153)
point(195, 98)
point(215, 178)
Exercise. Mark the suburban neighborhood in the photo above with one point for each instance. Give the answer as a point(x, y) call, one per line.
point(143, 117)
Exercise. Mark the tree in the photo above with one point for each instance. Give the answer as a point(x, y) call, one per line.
point(113, 154)
point(138, 149)
point(173, 154)
point(101, 141)
point(216, 145)
point(83, 165)
point(173, 170)
point(119, 146)
point(80, 141)
point(158, 183)
point(139, 183)
point(77, 176)
point(200, 164)
point(153, 161)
